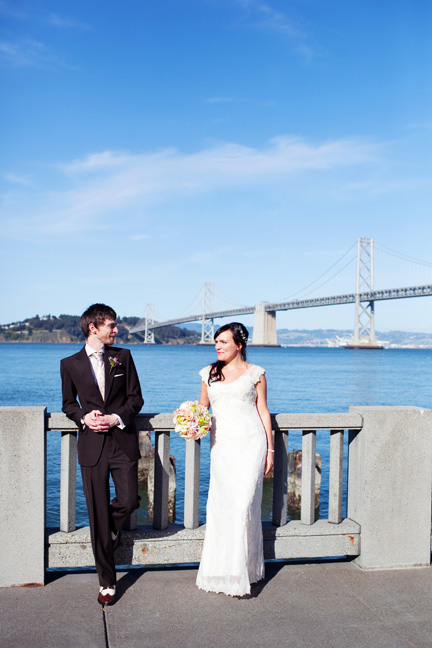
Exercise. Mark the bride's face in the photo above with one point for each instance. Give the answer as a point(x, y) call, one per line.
point(226, 348)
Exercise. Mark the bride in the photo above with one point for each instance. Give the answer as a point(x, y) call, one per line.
point(241, 453)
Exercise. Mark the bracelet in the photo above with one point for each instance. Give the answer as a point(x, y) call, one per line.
point(268, 450)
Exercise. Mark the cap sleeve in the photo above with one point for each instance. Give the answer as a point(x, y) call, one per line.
point(256, 373)
point(204, 373)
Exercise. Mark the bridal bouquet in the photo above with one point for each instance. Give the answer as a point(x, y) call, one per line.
point(192, 420)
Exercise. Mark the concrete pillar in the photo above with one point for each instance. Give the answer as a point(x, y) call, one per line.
point(389, 486)
point(264, 331)
point(22, 495)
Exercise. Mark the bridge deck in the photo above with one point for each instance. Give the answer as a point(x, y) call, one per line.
point(349, 298)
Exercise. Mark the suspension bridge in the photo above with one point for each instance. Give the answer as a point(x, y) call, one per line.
point(264, 329)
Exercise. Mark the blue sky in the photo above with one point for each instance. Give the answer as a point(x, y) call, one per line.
point(149, 146)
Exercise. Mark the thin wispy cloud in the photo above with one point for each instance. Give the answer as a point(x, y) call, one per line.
point(102, 185)
point(205, 256)
point(29, 53)
point(139, 237)
point(375, 187)
point(24, 53)
point(12, 178)
point(53, 19)
point(262, 15)
point(63, 22)
point(7, 9)
point(236, 100)
point(231, 162)
point(305, 52)
point(216, 100)
point(421, 125)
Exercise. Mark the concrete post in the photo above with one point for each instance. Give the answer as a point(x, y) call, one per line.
point(264, 330)
point(161, 480)
point(22, 495)
point(192, 484)
point(389, 486)
point(280, 479)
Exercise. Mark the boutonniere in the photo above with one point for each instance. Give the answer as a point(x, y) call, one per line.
point(114, 362)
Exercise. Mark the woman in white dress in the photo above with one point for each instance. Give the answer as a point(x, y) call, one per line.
point(241, 453)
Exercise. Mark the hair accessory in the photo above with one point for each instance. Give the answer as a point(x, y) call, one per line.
point(244, 336)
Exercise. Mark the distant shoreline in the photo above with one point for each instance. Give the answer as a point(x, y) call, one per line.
point(283, 346)
point(65, 329)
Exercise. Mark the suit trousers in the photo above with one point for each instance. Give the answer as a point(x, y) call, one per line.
point(106, 517)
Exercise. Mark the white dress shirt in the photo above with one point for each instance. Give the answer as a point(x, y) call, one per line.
point(93, 365)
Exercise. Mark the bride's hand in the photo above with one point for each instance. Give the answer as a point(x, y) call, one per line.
point(269, 463)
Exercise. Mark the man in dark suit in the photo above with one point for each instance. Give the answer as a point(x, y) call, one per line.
point(102, 395)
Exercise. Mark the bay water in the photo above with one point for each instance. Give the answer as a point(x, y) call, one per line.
point(300, 379)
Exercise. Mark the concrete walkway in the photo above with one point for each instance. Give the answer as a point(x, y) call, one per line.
point(300, 605)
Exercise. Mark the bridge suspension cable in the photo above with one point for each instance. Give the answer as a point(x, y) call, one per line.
point(302, 290)
point(332, 277)
point(195, 303)
point(404, 257)
point(364, 296)
point(230, 302)
point(393, 266)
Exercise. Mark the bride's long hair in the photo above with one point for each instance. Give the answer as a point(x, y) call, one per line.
point(240, 336)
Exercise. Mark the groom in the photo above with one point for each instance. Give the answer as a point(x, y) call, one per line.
point(102, 395)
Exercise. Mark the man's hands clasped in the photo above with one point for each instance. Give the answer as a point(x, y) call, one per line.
point(99, 422)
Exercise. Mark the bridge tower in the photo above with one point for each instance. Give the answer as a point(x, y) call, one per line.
point(364, 325)
point(149, 320)
point(264, 329)
point(207, 330)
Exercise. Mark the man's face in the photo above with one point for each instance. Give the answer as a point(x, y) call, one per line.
point(106, 332)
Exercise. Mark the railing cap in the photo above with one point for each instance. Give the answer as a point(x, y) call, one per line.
point(317, 421)
point(163, 422)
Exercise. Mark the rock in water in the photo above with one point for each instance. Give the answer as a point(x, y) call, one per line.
point(171, 490)
point(295, 478)
point(147, 456)
point(146, 474)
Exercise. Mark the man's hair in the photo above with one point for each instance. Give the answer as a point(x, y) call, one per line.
point(96, 314)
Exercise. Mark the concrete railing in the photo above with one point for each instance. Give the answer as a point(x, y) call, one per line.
point(389, 494)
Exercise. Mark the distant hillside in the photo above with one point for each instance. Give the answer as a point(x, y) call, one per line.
point(65, 328)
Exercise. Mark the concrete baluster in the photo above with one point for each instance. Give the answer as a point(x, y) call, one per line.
point(192, 480)
point(336, 476)
point(161, 480)
point(68, 481)
point(131, 522)
point(308, 477)
point(280, 479)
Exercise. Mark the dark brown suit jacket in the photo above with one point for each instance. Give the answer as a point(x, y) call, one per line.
point(122, 396)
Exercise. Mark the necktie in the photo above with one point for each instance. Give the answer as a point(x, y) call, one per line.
point(100, 372)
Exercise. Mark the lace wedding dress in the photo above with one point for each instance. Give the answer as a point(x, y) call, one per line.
point(232, 556)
